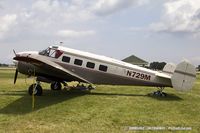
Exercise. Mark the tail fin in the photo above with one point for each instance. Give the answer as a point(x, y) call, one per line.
point(184, 76)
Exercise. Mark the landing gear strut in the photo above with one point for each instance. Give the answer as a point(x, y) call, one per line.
point(160, 92)
point(35, 89)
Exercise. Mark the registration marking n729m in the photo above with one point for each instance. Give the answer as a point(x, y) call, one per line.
point(138, 75)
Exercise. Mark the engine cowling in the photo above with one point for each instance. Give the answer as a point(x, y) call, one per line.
point(26, 68)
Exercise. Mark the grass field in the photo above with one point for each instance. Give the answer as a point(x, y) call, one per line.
point(105, 109)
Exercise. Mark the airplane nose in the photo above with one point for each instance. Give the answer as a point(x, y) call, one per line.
point(20, 55)
point(16, 54)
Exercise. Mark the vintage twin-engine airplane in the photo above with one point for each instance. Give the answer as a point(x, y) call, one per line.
point(58, 64)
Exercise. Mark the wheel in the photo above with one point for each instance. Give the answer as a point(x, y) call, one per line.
point(160, 94)
point(56, 86)
point(157, 93)
point(38, 90)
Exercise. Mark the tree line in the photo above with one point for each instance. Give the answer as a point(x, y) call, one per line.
point(161, 65)
point(157, 65)
point(4, 65)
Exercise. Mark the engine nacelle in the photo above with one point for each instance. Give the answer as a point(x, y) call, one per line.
point(26, 68)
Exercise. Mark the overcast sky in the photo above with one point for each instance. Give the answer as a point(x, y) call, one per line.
point(155, 30)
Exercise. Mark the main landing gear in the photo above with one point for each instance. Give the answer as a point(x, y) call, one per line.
point(160, 92)
point(36, 88)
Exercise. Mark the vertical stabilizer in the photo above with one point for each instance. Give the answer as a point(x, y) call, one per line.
point(184, 76)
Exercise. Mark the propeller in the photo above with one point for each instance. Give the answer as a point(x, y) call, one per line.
point(14, 52)
point(16, 72)
point(15, 78)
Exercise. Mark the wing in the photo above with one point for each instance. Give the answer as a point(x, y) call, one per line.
point(50, 66)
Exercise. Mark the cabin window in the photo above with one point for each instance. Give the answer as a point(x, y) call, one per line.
point(103, 68)
point(78, 62)
point(66, 59)
point(90, 65)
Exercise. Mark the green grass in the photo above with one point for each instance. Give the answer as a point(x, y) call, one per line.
point(105, 109)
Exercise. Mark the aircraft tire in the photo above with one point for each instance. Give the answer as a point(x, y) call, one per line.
point(38, 90)
point(160, 94)
point(56, 86)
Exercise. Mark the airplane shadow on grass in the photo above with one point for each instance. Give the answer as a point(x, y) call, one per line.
point(169, 97)
point(23, 105)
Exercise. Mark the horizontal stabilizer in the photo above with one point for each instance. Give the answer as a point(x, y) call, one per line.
point(169, 69)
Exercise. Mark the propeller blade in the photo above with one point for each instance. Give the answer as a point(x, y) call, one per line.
point(16, 73)
point(14, 52)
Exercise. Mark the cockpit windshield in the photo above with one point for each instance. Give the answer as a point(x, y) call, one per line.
point(51, 52)
point(44, 52)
